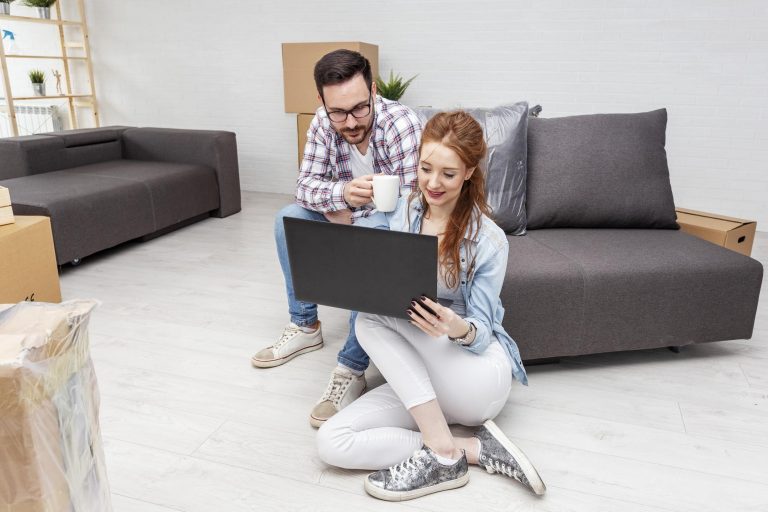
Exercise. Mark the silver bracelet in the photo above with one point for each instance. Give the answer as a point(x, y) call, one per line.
point(467, 339)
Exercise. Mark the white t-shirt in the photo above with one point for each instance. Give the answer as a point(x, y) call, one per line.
point(361, 164)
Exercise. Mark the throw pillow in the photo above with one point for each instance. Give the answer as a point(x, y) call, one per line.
point(599, 171)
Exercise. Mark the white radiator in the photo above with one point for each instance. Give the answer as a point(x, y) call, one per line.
point(31, 119)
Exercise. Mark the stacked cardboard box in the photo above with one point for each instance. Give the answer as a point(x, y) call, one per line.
point(302, 127)
point(301, 96)
point(729, 232)
point(6, 212)
point(51, 454)
point(28, 268)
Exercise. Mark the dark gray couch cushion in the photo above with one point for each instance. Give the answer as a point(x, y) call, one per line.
point(543, 298)
point(599, 171)
point(505, 130)
point(88, 213)
point(178, 191)
point(214, 149)
point(638, 289)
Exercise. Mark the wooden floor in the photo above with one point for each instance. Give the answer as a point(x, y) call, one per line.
point(189, 425)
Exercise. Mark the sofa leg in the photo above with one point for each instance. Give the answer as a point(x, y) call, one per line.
point(676, 350)
point(75, 262)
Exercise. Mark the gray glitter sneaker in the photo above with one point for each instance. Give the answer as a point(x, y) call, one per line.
point(417, 476)
point(500, 455)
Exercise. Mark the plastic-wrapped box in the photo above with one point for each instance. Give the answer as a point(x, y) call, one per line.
point(51, 455)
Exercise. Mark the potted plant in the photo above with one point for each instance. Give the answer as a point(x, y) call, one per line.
point(37, 77)
point(43, 7)
point(394, 88)
point(5, 6)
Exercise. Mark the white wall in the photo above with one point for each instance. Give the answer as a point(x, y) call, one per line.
point(218, 65)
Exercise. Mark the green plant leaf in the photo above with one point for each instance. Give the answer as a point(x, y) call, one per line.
point(37, 76)
point(394, 88)
point(39, 3)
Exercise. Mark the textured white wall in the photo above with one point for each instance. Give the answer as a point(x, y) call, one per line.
point(195, 64)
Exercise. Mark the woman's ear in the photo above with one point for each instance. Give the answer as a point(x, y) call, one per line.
point(469, 173)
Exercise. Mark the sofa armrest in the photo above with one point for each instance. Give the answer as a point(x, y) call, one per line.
point(215, 149)
point(30, 154)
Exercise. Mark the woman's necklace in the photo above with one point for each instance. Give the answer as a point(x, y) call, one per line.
point(429, 227)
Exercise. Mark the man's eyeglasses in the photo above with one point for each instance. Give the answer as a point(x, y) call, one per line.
point(359, 112)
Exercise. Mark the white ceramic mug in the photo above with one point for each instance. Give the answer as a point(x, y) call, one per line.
point(386, 190)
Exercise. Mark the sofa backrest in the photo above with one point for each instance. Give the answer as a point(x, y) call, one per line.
point(85, 147)
point(54, 151)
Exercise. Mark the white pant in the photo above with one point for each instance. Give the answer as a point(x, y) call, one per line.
point(376, 430)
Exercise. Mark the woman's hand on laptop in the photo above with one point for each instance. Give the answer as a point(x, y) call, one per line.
point(359, 191)
point(436, 320)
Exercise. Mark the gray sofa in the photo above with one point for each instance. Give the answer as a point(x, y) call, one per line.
point(603, 266)
point(105, 186)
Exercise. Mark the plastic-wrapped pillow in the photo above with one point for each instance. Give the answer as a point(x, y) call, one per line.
point(505, 130)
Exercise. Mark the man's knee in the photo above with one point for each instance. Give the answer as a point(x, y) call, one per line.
point(294, 211)
point(376, 220)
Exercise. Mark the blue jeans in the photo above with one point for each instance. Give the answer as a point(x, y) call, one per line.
point(304, 314)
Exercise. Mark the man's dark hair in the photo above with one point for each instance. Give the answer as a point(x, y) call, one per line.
point(339, 66)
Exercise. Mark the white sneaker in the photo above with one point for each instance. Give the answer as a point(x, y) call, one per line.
point(293, 342)
point(343, 389)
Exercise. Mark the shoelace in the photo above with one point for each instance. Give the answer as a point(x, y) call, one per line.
point(289, 333)
point(406, 467)
point(500, 467)
point(336, 388)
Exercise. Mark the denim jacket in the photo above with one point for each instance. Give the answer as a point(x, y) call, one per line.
point(480, 290)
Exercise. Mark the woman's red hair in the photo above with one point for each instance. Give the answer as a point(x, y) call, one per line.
point(460, 132)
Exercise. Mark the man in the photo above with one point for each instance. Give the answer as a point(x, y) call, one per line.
point(354, 135)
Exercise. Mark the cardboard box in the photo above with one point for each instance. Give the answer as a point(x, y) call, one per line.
point(299, 61)
point(6, 212)
point(732, 233)
point(28, 268)
point(302, 125)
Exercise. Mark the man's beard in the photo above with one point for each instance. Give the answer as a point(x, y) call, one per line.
point(360, 132)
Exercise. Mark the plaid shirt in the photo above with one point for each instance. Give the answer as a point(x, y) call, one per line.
point(325, 168)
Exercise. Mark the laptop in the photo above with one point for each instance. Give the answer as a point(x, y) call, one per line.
point(358, 268)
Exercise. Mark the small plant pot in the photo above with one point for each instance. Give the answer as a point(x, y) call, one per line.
point(5, 8)
point(44, 13)
point(38, 89)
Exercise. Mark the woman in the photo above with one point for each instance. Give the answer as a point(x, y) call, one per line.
point(450, 365)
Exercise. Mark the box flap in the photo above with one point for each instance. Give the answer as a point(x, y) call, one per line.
point(713, 215)
point(708, 222)
point(5, 197)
